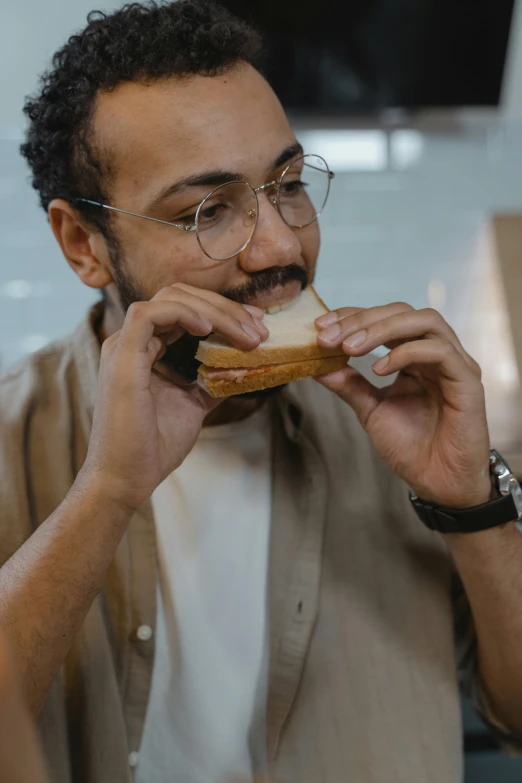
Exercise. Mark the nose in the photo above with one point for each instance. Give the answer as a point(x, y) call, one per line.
point(274, 243)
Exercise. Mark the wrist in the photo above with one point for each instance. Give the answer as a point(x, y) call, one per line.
point(91, 489)
point(458, 499)
point(501, 504)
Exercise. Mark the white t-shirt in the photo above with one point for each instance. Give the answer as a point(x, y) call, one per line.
point(206, 715)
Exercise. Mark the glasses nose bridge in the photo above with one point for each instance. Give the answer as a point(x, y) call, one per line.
point(269, 186)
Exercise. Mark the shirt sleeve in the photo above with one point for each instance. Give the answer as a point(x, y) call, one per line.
point(469, 678)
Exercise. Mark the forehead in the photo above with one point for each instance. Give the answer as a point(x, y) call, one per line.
point(174, 127)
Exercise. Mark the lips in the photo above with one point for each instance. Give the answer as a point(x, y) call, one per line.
point(277, 298)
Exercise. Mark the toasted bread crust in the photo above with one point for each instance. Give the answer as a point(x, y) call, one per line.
point(275, 376)
point(233, 357)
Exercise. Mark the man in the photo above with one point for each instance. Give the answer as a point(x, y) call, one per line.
point(207, 592)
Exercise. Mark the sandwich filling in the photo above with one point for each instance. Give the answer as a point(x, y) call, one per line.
point(236, 375)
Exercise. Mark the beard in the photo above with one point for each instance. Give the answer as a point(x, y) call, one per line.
point(179, 357)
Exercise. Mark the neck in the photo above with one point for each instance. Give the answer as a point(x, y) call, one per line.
point(230, 410)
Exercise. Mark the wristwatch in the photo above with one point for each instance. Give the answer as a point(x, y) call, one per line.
point(507, 507)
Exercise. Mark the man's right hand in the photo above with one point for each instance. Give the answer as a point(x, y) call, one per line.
point(144, 425)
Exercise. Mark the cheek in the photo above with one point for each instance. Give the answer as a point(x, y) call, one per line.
point(155, 262)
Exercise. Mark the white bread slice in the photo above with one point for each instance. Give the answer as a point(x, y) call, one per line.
point(293, 338)
point(268, 377)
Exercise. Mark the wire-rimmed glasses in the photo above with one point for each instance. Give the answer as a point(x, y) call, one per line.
point(225, 221)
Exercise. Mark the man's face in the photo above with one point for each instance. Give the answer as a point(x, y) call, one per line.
point(160, 134)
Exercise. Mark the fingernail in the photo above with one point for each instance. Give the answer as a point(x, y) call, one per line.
point(206, 323)
point(356, 339)
point(260, 325)
point(251, 331)
point(380, 364)
point(327, 319)
point(330, 334)
point(257, 312)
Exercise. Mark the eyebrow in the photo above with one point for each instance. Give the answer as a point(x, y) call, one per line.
point(216, 177)
point(212, 178)
point(290, 152)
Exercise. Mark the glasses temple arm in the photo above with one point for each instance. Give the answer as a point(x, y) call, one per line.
point(136, 214)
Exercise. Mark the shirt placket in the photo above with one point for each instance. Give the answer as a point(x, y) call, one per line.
point(141, 633)
point(299, 504)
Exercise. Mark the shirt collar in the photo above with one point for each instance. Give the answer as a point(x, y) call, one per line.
point(87, 351)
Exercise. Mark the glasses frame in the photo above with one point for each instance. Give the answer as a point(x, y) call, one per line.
point(275, 201)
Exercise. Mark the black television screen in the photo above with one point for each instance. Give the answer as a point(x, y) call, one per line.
point(363, 56)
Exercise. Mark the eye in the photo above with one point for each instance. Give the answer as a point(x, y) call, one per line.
point(210, 212)
point(207, 215)
point(293, 188)
point(185, 220)
point(214, 214)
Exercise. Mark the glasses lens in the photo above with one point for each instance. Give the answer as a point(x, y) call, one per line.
point(304, 190)
point(226, 220)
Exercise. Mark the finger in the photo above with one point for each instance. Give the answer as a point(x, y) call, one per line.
point(144, 319)
point(217, 313)
point(360, 314)
point(438, 354)
point(257, 312)
point(351, 322)
point(399, 328)
point(363, 334)
point(219, 299)
point(334, 316)
point(351, 387)
point(201, 300)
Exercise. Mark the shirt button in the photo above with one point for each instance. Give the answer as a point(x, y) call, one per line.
point(133, 758)
point(144, 633)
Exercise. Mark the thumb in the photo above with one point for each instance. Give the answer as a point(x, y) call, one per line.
point(354, 389)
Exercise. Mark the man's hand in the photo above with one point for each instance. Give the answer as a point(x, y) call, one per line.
point(145, 425)
point(430, 424)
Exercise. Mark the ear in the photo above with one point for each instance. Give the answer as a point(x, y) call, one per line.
point(84, 247)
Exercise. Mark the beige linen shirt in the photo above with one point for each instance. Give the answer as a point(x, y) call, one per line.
point(363, 672)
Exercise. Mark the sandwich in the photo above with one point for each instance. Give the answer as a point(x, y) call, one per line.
point(290, 353)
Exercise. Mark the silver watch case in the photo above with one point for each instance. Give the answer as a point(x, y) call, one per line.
point(506, 482)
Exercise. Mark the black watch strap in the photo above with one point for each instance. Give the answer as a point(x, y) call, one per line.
point(466, 520)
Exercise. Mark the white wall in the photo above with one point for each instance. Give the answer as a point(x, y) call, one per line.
point(30, 32)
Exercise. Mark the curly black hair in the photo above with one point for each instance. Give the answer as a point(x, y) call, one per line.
point(141, 42)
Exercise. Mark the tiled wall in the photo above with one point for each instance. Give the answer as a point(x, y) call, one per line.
point(414, 227)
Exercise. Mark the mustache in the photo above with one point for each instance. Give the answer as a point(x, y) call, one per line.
point(266, 280)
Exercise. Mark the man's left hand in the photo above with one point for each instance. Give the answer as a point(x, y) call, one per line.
point(430, 425)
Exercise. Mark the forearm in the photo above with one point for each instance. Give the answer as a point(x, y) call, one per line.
point(21, 757)
point(49, 584)
point(490, 566)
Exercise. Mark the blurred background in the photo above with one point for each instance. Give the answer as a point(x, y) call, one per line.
point(417, 107)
